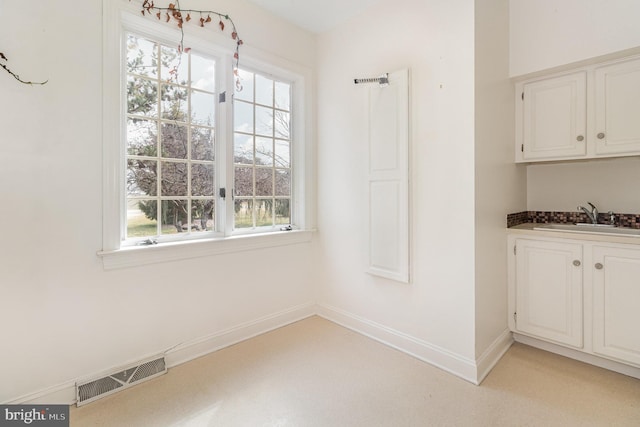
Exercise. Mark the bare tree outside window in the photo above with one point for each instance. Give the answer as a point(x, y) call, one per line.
point(262, 152)
point(170, 140)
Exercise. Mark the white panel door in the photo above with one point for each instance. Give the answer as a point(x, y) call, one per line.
point(554, 118)
point(549, 290)
point(388, 178)
point(617, 106)
point(616, 303)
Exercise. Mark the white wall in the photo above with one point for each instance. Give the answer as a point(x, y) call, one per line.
point(62, 315)
point(500, 184)
point(435, 39)
point(551, 33)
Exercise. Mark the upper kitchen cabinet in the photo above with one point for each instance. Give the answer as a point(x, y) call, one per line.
point(590, 112)
point(617, 108)
point(553, 118)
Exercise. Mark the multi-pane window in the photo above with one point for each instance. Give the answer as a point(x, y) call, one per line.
point(188, 156)
point(170, 140)
point(262, 152)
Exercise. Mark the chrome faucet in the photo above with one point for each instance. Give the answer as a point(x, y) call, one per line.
point(592, 214)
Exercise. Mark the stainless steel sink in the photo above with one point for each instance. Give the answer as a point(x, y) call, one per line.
point(590, 229)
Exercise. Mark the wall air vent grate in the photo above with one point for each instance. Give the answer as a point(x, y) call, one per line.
point(89, 391)
point(148, 369)
point(97, 388)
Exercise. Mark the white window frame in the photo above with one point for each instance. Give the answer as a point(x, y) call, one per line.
point(268, 72)
point(121, 16)
point(222, 63)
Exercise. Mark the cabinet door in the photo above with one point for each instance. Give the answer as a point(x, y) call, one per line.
point(617, 108)
point(549, 290)
point(616, 303)
point(554, 114)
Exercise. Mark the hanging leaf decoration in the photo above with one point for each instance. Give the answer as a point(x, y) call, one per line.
point(15, 76)
point(173, 10)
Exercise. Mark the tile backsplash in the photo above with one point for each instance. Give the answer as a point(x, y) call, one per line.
point(623, 220)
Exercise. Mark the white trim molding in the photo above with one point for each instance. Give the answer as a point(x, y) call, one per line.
point(132, 256)
point(465, 368)
point(188, 351)
point(65, 393)
point(439, 357)
point(611, 365)
point(492, 355)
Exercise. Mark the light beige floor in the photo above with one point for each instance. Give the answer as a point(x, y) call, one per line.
point(316, 373)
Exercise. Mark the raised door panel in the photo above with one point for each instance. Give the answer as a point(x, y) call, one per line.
point(616, 303)
point(388, 178)
point(554, 118)
point(617, 108)
point(549, 291)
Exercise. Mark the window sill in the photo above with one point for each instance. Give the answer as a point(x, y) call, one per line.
point(134, 256)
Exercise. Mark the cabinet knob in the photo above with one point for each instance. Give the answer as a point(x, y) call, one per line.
point(576, 263)
point(601, 135)
point(580, 138)
point(599, 266)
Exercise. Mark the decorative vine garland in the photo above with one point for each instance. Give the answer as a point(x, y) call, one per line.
point(175, 12)
point(15, 76)
point(180, 16)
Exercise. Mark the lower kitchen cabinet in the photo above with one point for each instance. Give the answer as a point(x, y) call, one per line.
point(616, 303)
point(549, 290)
point(580, 294)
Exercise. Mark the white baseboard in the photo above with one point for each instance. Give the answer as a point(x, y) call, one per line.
point(492, 355)
point(65, 393)
point(453, 363)
point(611, 365)
point(61, 394)
point(465, 368)
point(205, 345)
